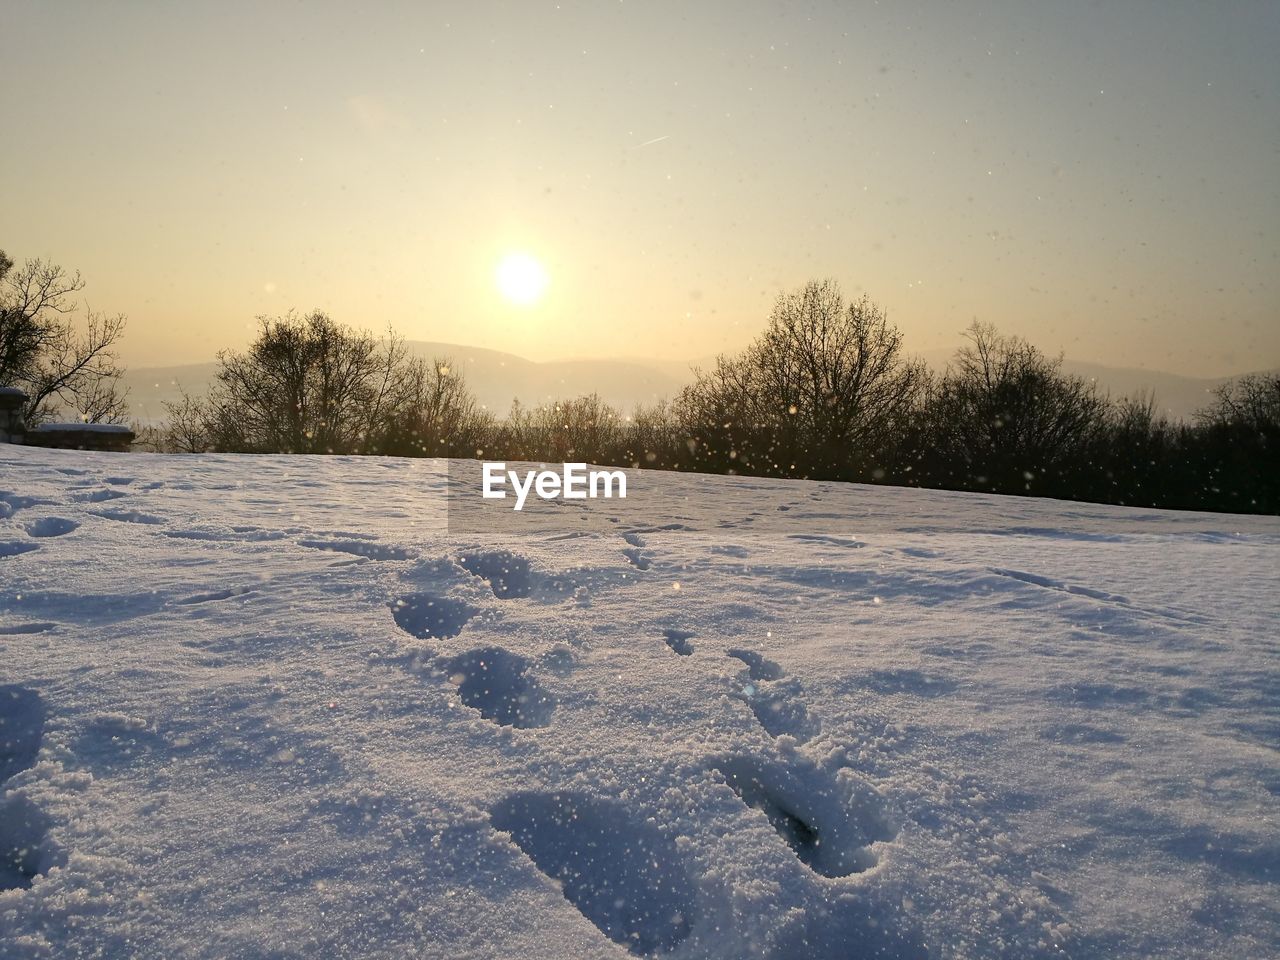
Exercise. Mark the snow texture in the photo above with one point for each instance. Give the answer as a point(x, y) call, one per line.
point(88, 427)
point(270, 707)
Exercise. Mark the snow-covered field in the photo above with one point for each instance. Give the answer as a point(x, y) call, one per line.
point(271, 707)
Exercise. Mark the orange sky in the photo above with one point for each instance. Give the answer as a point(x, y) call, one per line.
point(1100, 181)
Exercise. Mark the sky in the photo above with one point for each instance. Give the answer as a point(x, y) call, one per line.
point(1100, 178)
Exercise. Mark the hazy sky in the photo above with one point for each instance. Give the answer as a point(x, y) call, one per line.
point(1100, 178)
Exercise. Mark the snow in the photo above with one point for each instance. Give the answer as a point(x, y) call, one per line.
point(272, 706)
point(87, 427)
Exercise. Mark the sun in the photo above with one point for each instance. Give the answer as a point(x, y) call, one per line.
point(521, 279)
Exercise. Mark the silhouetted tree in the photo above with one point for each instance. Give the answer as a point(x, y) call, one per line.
point(1005, 417)
point(580, 429)
point(820, 393)
point(60, 364)
point(433, 414)
point(1239, 445)
point(1135, 456)
point(305, 385)
point(1250, 404)
point(653, 439)
point(187, 429)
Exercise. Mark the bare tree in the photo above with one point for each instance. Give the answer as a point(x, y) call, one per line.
point(653, 438)
point(1004, 414)
point(1238, 445)
point(309, 385)
point(583, 428)
point(818, 393)
point(59, 363)
point(433, 413)
point(187, 429)
point(305, 385)
point(1250, 402)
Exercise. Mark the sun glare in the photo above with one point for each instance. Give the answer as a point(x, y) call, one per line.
point(521, 279)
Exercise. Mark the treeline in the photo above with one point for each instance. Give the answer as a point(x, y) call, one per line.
point(825, 392)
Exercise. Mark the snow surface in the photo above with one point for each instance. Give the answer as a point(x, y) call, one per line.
point(268, 707)
point(86, 427)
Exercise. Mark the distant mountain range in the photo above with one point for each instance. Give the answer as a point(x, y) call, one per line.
point(499, 378)
point(496, 379)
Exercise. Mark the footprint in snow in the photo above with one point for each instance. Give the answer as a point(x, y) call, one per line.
point(128, 516)
point(678, 640)
point(359, 548)
point(635, 556)
point(616, 867)
point(12, 548)
point(214, 597)
point(921, 553)
point(429, 616)
point(99, 496)
point(51, 527)
point(21, 728)
point(499, 685)
point(775, 702)
point(635, 552)
point(233, 535)
point(21, 629)
point(22, 827)
point(777, 709)
point(1048, 583)
point(11, 503)
point(830, 823)
point(759, 667)
point(559, 660)
point(846, 542)
point(110, 741)
point(508, 574)
point(902, 680)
